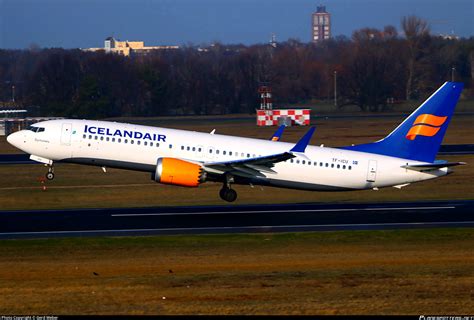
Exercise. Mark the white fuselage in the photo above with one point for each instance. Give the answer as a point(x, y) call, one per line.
point(103, 143)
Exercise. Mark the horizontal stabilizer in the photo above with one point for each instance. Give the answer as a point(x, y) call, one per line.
point(432, 166)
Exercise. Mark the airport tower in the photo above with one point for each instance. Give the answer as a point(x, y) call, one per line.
point(321, 24)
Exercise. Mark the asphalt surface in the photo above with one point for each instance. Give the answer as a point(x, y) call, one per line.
point(450, 149)
point(235, 219)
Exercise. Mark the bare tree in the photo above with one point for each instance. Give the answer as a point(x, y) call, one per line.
point(415, 30)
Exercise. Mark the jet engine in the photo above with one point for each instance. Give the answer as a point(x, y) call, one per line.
point(178, 172)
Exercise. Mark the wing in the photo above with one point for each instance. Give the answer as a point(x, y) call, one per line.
point(258, 166)
point(252, 166)
point(277, 135)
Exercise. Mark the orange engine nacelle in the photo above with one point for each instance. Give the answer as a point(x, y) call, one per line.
point(178, 172)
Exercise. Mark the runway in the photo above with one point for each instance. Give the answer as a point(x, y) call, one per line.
point(235, 219)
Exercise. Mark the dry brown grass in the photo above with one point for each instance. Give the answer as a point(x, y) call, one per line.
point(383, 272)
point(81, 186)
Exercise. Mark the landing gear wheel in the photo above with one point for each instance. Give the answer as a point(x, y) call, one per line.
point(229, 195)
point(50, 174)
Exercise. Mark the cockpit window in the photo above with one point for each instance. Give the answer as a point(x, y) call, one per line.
point(35, 129)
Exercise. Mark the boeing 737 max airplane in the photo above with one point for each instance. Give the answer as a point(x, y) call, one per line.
point(187, 158)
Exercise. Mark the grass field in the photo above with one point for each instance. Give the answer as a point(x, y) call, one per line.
point(372, 272)
point(353, 272)
point(82, 186)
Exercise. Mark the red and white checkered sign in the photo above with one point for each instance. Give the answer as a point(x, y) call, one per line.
point(270, 117)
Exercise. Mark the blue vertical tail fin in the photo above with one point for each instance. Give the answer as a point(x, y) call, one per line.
point(420, 135)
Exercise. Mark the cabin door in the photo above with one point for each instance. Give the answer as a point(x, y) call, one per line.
point(372, 171)
point(66, 134)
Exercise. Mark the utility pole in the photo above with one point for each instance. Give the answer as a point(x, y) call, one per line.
point(335, 88)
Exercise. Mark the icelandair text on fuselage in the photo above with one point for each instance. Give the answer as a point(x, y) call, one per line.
point(124, 133)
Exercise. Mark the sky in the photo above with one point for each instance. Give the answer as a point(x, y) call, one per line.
point(86, 23)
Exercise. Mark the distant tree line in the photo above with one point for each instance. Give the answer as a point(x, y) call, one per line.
point(373, 67)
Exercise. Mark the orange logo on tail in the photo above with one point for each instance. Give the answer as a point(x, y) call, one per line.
point(425, 125)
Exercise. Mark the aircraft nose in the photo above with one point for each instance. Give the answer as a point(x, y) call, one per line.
point(14, 139)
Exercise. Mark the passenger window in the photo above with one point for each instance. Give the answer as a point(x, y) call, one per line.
point(107, 139)
point(188, 148)
point(350, 168)
point(90, 136)
point(338, 166)
point(138, 142)
point(320, 164)
point(210, 150)
point(248, 155)
point(101, 138)
point(303, 162)
point(199, 149)
point(344, 166)
point(171, 146)
point(332, 165)
point(230, 153)
point(297, 161)
point(291, 160)
point(194, 148)
point(157, 144)
point(84, 136)
point(145, 143)
point(223, 152)
point(182, 147)
point(217, 151)
point(126, 141)
point(113, 139)
point(119, 140)
point(95, 137)
point(327, 164)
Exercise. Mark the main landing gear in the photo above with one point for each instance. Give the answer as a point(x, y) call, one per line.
point(50, 174)
point(226, 193)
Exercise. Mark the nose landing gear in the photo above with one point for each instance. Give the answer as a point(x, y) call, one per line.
point(226, 193)
point(50, 174)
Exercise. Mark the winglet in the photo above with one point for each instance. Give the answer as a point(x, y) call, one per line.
point(277, 135)
point(301, 145)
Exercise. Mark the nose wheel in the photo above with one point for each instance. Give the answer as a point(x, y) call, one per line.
point(50, 174)
point(226, 193)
